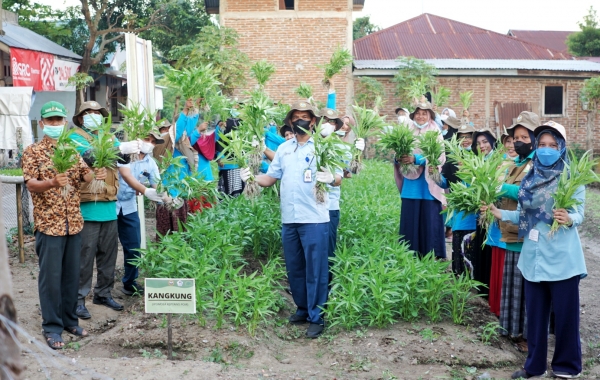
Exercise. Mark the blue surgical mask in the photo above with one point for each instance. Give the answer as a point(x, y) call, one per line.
point(53, 131)
point(468, 148)
point(234, 113)
point(419, 125)
point(92, 121)
point(548, 156)
point(444, 132)
point(340, 133)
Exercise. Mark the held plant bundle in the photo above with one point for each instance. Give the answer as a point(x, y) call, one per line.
point(368, 123)
point(440, 96)
point(339, 59)
point(262, 72)
point(400, 139)
point(304, 90)
point(432, 147)
point(329, 155)
point(138, 123)
point(104, 153)
point(194, 83)
point(238, 148)
point(480, 178)
point(65, 156)
point(576, 173)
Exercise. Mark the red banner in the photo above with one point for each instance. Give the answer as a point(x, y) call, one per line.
point(32, 68)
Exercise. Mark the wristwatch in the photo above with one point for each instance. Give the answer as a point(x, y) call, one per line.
point(332, 183)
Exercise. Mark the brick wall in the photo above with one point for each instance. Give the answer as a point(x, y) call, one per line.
point(507, 90)
point(251, 6)
point(322, 5)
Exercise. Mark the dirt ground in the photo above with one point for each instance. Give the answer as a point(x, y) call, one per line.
point(132, 345)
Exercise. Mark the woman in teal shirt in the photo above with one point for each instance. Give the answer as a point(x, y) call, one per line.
point(552, 264)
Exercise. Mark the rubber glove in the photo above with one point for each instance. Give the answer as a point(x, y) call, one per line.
point(325, 176)
point(151, 194)
point(131, 147)
point(245, 174)
point(360, 144)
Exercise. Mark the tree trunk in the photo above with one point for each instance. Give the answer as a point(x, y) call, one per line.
point(589, 138)
point(86, 65)
point(10, 354)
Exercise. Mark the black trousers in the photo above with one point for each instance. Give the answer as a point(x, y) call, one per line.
point(58, 280)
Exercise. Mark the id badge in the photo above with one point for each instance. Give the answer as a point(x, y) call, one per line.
point(308, 175)
point(534, 235)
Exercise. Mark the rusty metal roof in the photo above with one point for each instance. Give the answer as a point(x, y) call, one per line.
point(486, 64)
point(553, 39)
point(433, 37)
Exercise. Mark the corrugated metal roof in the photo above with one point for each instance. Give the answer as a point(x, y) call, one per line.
point(553, 39)
point(23, 38)
point(433, 37)
point(488, 64)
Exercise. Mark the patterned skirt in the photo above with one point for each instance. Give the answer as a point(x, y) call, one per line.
point(230, 182)
point(513, 318)
point(168, 220)
point(462, 251)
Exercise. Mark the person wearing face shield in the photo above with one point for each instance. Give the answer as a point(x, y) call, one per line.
point(138, 177)
point(99, 234)
point(421, 224)
point(305, 223)
point(58, 224)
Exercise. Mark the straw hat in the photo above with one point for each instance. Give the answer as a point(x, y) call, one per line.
point(422, 104)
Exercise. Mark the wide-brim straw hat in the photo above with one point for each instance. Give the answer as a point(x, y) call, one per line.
point(299, 106)
point(331, 114)
point(91, 105)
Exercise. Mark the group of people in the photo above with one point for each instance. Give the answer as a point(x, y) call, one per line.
point(527, 273)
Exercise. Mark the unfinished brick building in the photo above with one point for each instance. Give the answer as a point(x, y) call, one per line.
point(295, 35)
point(507, 74)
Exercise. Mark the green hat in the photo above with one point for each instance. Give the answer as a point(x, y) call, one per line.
point(53, 109)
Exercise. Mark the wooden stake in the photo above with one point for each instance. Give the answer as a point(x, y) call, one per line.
point(20, 224)
point(169, 338)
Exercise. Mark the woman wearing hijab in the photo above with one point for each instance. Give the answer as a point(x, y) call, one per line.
point(512, 298)
point(421, 223)
point(230, 182)
point(552, 264)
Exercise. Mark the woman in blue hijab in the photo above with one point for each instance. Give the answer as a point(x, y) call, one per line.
point(552, 264)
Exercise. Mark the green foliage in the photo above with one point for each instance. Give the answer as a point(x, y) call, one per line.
point(491, 332)
point(340, 59)
point(368, 123)
point(362, 26)
point(432, 147)
point(466, 98)
point(65, 153)
point(330, 152)
point(440, 96)
point(80, 80)
point(576, 173)
point(367, 91)
point(196, 82)
point(400, 139)
point(586, 43)
point(412, 69)
point(104, 151)
point(17, 172)
point(236, 145)
point(591, 92)
point(219, 47)
point(304, 90)
point(138, 122)
point(262, 71)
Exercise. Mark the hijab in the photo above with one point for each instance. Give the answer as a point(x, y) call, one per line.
point(489, 138)
point(535, 193)
point(450, 112)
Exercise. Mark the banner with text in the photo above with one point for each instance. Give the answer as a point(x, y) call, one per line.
point(42, 71)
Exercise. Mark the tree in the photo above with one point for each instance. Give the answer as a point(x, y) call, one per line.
point(81, 81)
point(590, 94)
point(367, 91)
point(362, 26)
point(411, 70)
point(587, 42)
point(218, 46)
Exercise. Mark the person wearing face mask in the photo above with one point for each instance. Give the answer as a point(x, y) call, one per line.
point(403, 115)
point(58, 224)
point(305, 223)
point(421, 223)
point(160, 150)
point(512, 298)
point(99, 234)
point(552, 264)
point(138, 177)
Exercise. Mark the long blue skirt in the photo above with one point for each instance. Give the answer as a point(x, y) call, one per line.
point(422, 226)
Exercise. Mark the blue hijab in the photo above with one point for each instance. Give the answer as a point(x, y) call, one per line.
point(535, 193)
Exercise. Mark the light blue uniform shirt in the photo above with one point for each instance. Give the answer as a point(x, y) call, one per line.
point(555, 258)
point(335, 192)
point(126, 199)
point(298, 204)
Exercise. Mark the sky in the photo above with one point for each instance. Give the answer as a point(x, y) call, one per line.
point(496, 15)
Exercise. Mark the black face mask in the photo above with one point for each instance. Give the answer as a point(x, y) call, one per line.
point(301, 127)
point(522, 149)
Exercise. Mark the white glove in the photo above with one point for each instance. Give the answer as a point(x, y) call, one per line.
point(245, 174)
point(325, 176)
point(261, 143)
point(387, 129)
point(360, 144)
point(327, 129)
point(151, 194)
point(131, 147)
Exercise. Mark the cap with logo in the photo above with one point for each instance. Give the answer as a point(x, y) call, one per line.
point(85, 106)
point(553, 126)
point(527, 120)
point(331, 114)
point(51, 109)
point(299, 106)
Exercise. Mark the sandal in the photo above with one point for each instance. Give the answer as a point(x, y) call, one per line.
point(522, 346)
point(53, 340)
point(77, 331)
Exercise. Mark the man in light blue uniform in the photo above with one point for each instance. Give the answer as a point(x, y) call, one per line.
point(305, 230)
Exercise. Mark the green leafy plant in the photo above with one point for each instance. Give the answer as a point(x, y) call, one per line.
point(104, 152)
point(367, 91)
point(440, 96)
point(412, 69)
point(304, 90)
point(457, 304)
point(196, 82)
point(138, 122)
point(65, 156)
point(368, 123)
point(262, 71)
point(576, 173)
point(466, 99)
point(329, 154)
point(339, 60)
point(491, 332)
point(17, 172)
point(400, 139)
point(431, 144)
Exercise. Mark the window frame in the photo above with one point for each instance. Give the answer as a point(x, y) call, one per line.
point(282, 2)
point(564, 100)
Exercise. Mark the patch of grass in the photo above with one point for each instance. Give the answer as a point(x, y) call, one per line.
point(16, 172)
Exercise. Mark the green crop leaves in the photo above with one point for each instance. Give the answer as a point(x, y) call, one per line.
point(432, 146)
point(368, 123)
point(329, 153)
point(399, 138)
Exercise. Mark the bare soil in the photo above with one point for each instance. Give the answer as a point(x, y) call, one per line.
point(132, 344)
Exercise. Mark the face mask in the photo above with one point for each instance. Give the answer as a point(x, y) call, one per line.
point(164, 134)
point(327, 129)
point(53, 131)
point(235, 113)
point(548, 156)
point(444, 132)
point(522, 149)
point(401, 119)
point(92, 121)
point(341, 133)
point(146, 147)
point(301, 127)
point(419, 125)
point(468, 148)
